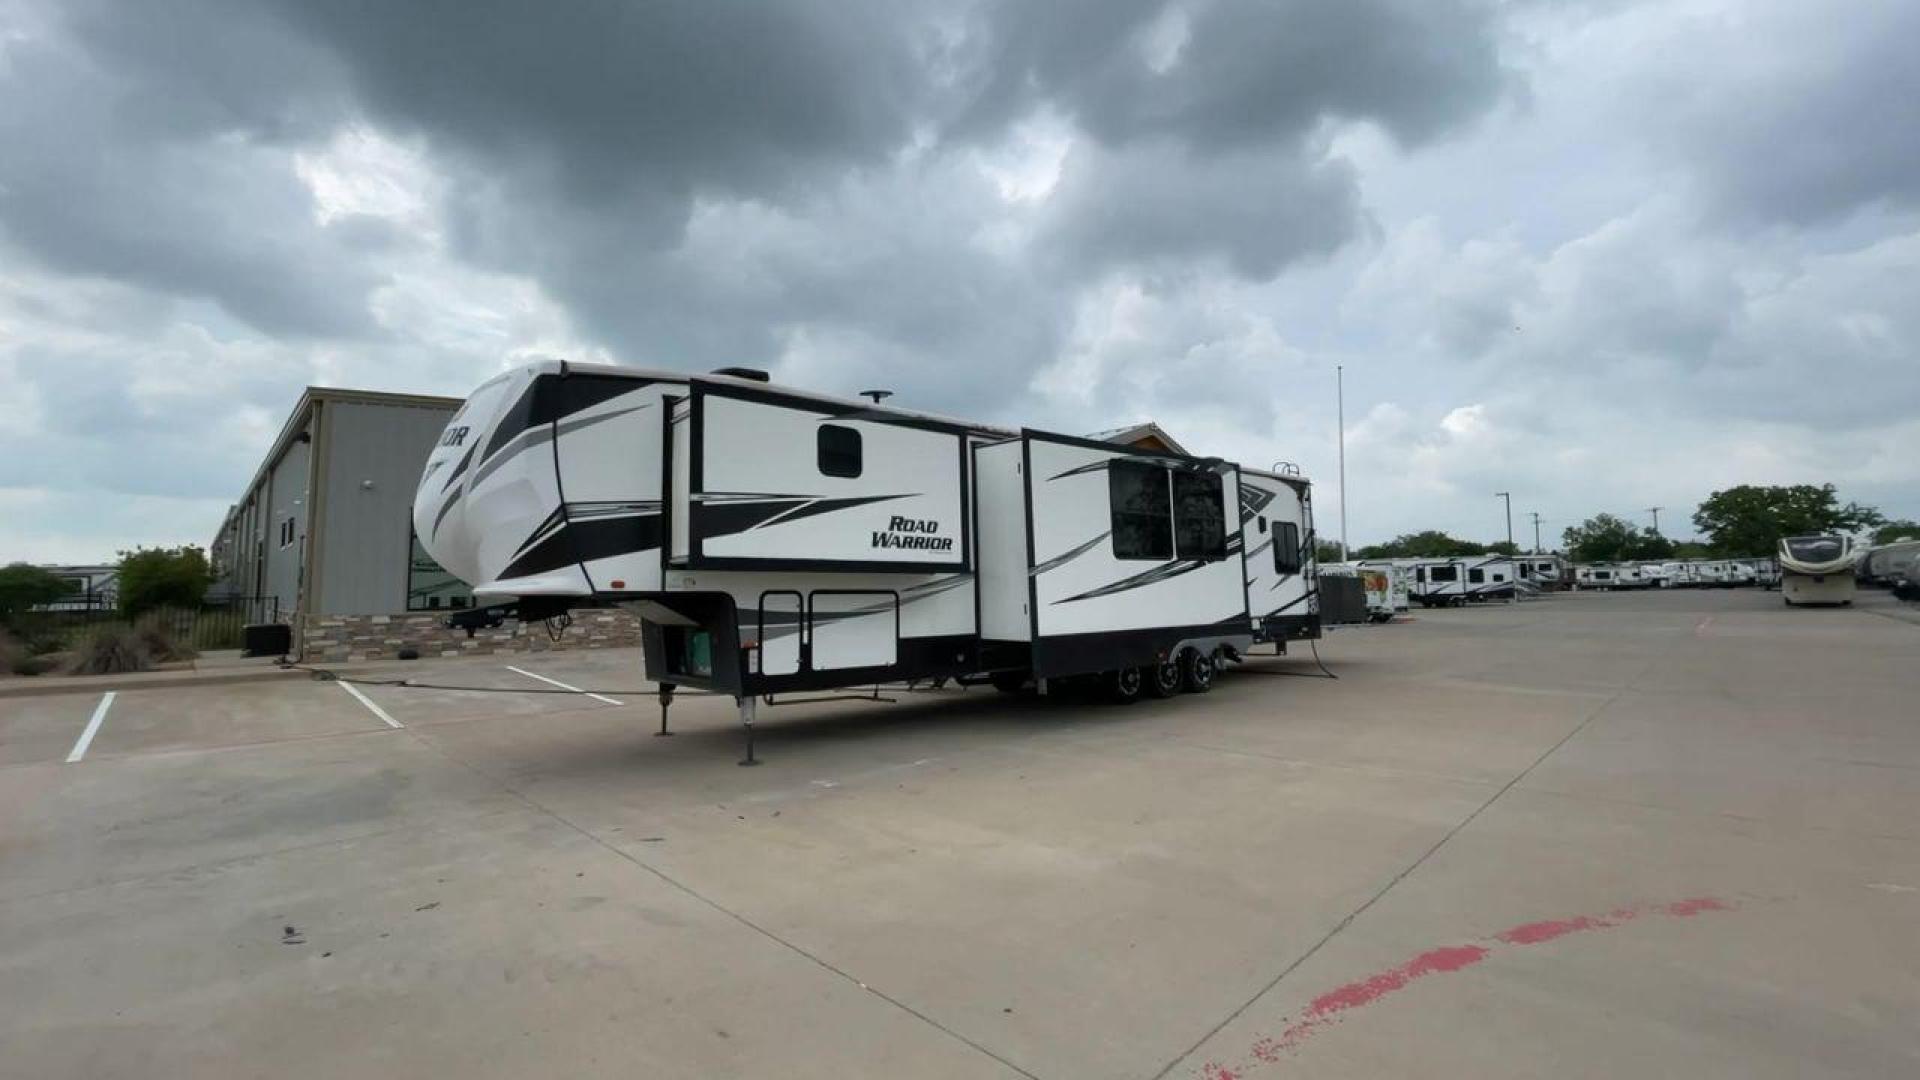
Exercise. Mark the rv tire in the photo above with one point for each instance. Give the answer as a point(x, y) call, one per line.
point(1125, 686)
point(1198, 671)
point(1008, 682)
point(1164, 679)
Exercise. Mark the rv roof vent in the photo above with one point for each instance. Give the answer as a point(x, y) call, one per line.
point(743, 373)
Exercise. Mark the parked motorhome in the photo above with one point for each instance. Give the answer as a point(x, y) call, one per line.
point(774, 540)
point(1817, 570)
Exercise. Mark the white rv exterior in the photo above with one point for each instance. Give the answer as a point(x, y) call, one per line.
point(1455, 581)
point(773, 540)
point(1817, 570)
point(1399, 581)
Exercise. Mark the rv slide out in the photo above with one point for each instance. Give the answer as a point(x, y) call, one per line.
point(774, 541)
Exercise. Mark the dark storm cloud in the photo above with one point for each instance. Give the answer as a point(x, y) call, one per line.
point(1802, 114)
point(1234, 73)
point(146, 178)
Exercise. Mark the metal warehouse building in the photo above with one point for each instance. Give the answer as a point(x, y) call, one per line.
point(325, 527)
point(323, 542)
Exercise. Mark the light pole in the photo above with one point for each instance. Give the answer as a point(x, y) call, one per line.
point(1536, 531)
point(1507, 497)
point(1340, 406)
point(1655, 511)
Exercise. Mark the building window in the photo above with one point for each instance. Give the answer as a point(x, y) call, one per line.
point(1199, 515)
point(1286, 547)
point(286, 532)
point(839, 451)
point(1142, 513)
point(1443, 573)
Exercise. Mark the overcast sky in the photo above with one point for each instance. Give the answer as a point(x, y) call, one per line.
point(1605, 255)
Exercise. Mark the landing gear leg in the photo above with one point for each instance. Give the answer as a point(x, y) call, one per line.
point(747, 706)
point(666, 699)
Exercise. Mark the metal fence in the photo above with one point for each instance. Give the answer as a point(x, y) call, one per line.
point(212, 626)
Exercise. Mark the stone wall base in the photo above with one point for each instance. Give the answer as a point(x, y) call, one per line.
point(330, 638)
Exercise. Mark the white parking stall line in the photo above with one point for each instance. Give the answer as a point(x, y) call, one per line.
point(563, 686)
point(368, 702)
point(93, 727)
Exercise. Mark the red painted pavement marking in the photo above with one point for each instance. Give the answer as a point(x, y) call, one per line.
point(1329, 1007)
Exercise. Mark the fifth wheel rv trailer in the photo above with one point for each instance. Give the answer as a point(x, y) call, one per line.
point(772, 540)
point(1882, 566)
point(1817, 570)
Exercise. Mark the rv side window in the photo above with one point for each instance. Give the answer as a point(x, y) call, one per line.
point(1443, 573)
point(839, 451)
point(1286, 547)
point(1199, 515)
point(1476, 576)
point(1142, 514)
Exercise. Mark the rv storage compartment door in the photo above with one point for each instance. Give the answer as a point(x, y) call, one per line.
point(781, 482)
point(853, 629)
point(779, 632)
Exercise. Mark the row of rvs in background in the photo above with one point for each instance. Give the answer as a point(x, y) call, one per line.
point(1395, 585)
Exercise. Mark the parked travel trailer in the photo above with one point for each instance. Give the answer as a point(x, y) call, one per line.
point(1376, 582)
point(1817, 570)
point(1548, 571)
point(1452, 582)
point(1399, 580)
point(1599, 576)
point(1882, 566)
point(773, 540)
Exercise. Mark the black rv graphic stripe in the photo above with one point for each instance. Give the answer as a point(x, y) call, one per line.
point(445, 509)
point(1289, 604)
point(466, 459)
point(1069, 556)
point(1159, 573)
point(586, 541)
point(712, 520)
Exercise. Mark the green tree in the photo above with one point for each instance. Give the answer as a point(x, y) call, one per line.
point(1897, 530)
point(1503, 547)
point(1427, 544)
point(1605, 538)
point(1750, 520)
point(163, 577)
point(23, 587)
point(1326, 551)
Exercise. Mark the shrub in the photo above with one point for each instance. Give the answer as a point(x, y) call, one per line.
point(162, 577)
point(110, 650)
point(12, 655)
point(23, 587)
point(157, 637)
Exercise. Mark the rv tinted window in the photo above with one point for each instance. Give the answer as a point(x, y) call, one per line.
point(839, 451)
point(1443, 573)
point(1199, 516)
point(1476, 576)
point(1286, 547)
point(1142, 514)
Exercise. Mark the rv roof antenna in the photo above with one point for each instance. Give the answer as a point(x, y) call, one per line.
point(877, 395)
point(1285, 468)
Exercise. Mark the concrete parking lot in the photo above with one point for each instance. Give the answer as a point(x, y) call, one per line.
point(1670, 834)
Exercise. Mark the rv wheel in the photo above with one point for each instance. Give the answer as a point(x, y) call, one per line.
point(1164, 678)
point(1200, 668)
point(1125, 686)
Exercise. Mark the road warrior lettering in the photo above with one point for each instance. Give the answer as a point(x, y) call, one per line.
point(912, 534)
